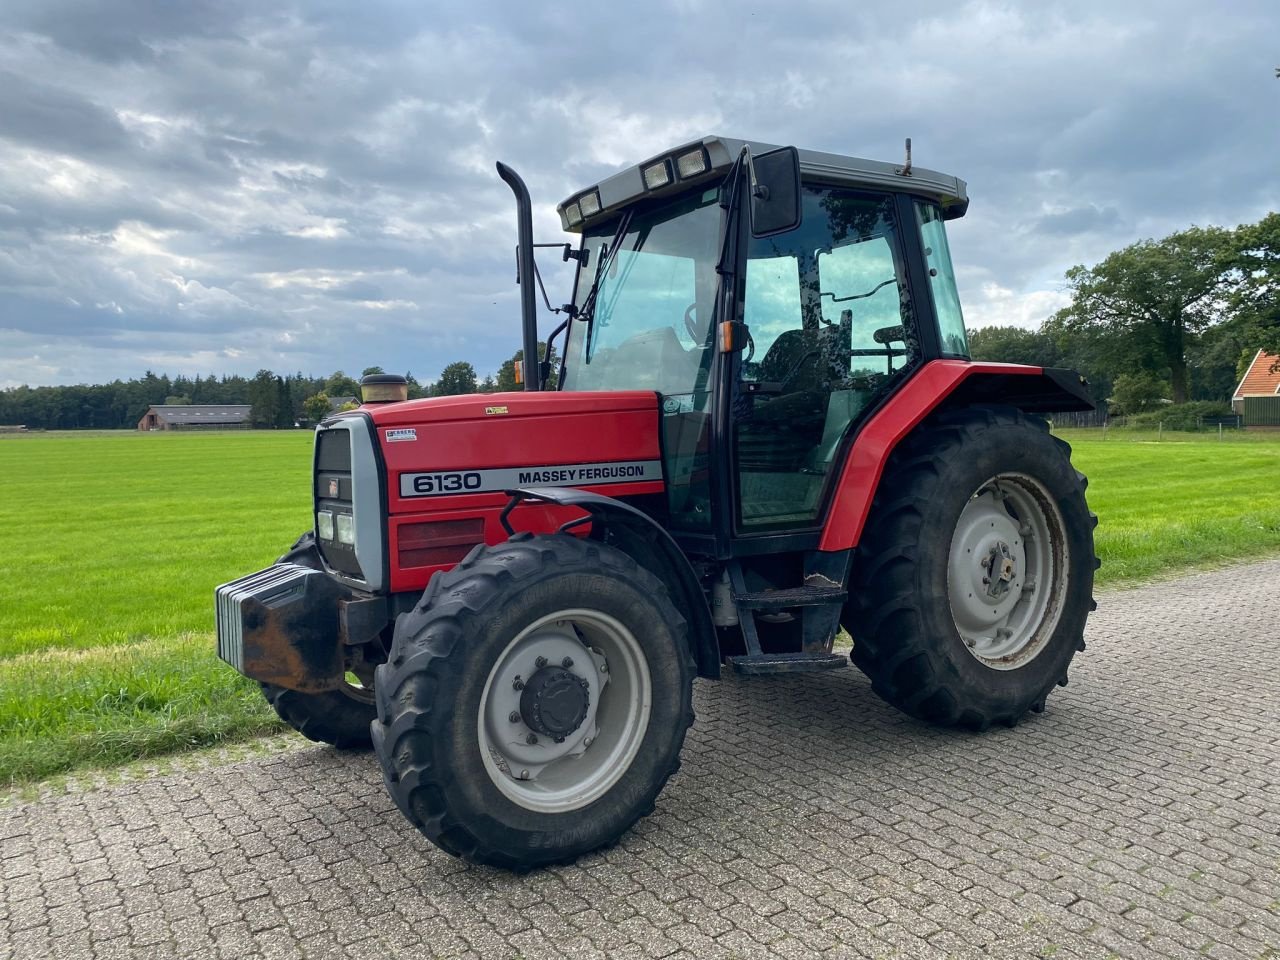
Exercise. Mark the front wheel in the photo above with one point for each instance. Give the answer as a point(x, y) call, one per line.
point(535, 702)
point(974, 576)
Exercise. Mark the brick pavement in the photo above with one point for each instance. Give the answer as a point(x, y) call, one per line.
point(1138, 817)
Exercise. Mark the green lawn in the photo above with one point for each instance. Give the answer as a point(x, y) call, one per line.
point(1183, 500)
point(115, 542)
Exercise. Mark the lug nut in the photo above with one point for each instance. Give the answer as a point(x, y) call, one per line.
point(567, 662)
point(540, 662)
point(517, 684)
point(531, 739)
point(604, 667)
point(514, 716)
point(524, 774)
point(587, 742)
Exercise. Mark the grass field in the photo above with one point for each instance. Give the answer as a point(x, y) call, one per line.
point(115, 541)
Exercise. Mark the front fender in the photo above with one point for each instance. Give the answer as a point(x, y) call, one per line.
point(640, 537)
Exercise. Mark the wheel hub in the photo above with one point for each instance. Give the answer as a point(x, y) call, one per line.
point(564, 711)
point(1004, 578)
point(554, 702)
point(1000, 569)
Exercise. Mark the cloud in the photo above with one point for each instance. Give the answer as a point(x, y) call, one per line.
point(222, 186)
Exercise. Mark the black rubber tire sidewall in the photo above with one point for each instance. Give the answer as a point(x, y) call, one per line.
point(918, 660)
point(332, 717)
point(458, 805)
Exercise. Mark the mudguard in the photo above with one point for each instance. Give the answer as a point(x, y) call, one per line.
point(636, 534)
point(937, 384)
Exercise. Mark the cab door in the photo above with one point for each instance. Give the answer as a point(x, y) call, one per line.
point(832, 331)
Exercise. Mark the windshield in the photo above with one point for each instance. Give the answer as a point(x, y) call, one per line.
point(649, 328)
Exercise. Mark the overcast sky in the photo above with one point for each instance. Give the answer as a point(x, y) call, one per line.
point(215, 187)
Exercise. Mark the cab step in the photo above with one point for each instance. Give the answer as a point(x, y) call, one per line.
point(790, 597)
point(768, 663)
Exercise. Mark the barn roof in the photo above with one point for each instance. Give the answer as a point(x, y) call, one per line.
point(193, 413)
point(1259, 380)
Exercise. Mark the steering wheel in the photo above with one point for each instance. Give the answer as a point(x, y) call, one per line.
point(691, 324)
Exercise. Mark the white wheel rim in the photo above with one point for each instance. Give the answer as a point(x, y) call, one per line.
point(556, 777)
point(1007, 571)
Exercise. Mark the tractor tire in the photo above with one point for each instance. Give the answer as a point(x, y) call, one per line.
point(535, 702)
point(974, 574)
point(338, 717)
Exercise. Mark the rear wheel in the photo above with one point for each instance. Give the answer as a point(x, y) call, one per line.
point(535, 702)
point(975, 571)
point(339, 717)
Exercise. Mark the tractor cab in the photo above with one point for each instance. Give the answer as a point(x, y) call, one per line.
point(772, 298)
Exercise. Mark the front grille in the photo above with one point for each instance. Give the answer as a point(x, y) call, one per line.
point(333, 492)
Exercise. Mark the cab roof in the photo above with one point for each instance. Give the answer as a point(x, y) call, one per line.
point(719, 153)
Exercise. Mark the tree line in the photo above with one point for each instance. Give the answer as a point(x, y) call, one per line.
point(276, 400)
point(1177, 319)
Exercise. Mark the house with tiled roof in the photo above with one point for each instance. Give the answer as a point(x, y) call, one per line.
point(1262, 379)
point(1257, 398)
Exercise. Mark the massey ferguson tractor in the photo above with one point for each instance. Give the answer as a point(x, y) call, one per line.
point(765, 427)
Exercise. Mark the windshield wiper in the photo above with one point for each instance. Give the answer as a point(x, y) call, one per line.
point(602, 267)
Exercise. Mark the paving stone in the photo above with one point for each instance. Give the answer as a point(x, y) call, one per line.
point(1138, 817)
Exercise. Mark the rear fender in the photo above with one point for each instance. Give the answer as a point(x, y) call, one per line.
point(637, 535)
point(938, 384)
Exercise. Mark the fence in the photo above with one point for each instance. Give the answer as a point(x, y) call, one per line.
point(1098, 419)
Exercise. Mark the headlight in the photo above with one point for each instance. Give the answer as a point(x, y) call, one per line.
point(657, 175)
point(691, 164)
point(573, 214)
point(324, 525)
point(589, 204)
point(346, 529)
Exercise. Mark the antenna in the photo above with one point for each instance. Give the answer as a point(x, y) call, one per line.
point(906, 170)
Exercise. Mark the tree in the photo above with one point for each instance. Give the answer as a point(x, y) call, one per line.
point(456, 378)
point(507, 372)
point(488, 384)
point(1135, 392)
point(1014, 345)
point(265, 398)
point(178, 401)
point(416, 390)
point(1256, 301)
point(371, 371)
point(316, 406)
point(340, 385)
point(1149, 302)
point(284, 405)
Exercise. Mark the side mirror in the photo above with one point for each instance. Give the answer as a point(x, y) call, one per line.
point(775, 192)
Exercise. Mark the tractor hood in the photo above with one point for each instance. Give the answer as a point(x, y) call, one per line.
point(517, 404)
point(464, 452)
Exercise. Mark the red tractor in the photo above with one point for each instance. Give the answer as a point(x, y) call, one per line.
point(765, 427)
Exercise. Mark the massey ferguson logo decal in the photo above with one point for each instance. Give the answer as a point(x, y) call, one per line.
point(508, 478)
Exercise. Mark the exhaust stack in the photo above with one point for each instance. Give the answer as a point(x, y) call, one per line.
point(525, 275)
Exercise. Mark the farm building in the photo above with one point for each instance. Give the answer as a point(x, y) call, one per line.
point(196, 416)
point(1257, 396)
